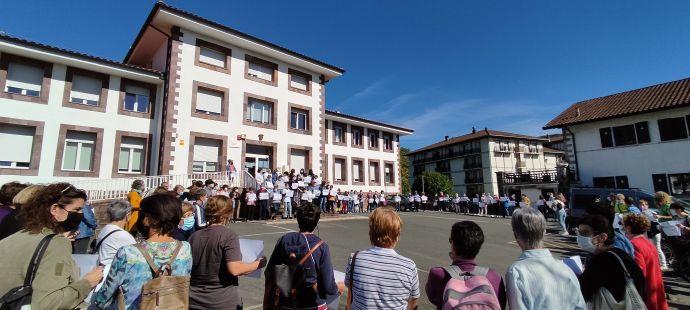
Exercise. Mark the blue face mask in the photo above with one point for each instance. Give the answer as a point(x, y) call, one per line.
point(188, 223)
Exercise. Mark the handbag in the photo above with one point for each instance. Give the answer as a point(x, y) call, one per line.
point(351, 278)
point(20, 297)
point(288, 277)
point(631, 299)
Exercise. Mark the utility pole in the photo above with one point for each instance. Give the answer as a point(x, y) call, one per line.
point(423, 190)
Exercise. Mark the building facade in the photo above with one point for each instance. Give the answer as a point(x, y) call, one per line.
point(634, 139)
point(190, 95)
point(493, 162)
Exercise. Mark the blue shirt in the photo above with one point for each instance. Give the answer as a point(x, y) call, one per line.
point(88, 223)
point(621, 242)
point(538, 281)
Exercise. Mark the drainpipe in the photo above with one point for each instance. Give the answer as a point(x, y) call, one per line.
point(577, 164)
point(166, 86)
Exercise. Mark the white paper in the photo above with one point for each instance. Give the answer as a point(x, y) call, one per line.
point(263, 196)
point(511, 203)
point(85, 263)
point(339, 276)
point(397, 198)
point(316, 192)
point(294, 185)
point(522, 204)
point(325, 192)
point(334, 192)
point(269, 184)
point(277, 197)
point(670, 228)
point(307, 180)
point(575, 263)
point(340, 197)
point(280, 185)
point(300, 184)
point(251, 251)
point(289, 193)
point(475, 200)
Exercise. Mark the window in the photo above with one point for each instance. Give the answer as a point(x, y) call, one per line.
point(357, 170)
point(606, 137)
point(388, 174)
point(299, 119)
point(299, 82)
point(258, 111)
point(624, 135)
point(17, 144)
point(604, 182)
point(136, 99)
point(672, 129)
point(209, 101)
point(374, 172)
point(356, 136)
point(338, 133)
point(132, 155)
point(85, 90)
point(339, 169)
point(387, 142)
point(373, 139)
point(642, 131)
point(261, 70)
point(206, 155)
point(212, 56)
point(680, 183)
point(79, 151)
point(622, 181)
point(24, 79)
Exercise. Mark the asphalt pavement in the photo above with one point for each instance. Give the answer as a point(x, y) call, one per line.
point(424, 239)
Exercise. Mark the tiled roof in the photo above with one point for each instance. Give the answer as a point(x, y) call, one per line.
point(357, 118)
point(652, 98)
point(478, 135)
point(161, 4)
point(58, 50)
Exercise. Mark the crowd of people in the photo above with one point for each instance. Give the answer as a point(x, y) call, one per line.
point(185, 234)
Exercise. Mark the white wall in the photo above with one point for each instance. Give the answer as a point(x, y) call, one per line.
point(53, 114)
point(638, 162)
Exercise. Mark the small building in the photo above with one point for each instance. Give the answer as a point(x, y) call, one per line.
point(493, 162)
point(633, 139)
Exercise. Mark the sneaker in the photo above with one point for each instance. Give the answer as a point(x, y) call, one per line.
point(565, 233)
point(665, 268)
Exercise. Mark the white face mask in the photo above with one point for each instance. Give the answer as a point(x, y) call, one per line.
point(586, 244)
point(673, 213)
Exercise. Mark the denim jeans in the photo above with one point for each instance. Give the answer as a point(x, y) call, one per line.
point(350, 206)
point(288, 208)
point(561, 219)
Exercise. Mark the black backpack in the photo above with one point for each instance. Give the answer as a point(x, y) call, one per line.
point(20, 296)
point(291, 279)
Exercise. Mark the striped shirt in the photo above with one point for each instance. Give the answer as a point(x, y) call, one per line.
point(382, 279)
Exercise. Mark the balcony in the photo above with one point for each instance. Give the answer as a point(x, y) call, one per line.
point(528, 177)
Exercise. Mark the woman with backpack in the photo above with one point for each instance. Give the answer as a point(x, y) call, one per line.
point(52, 213)
point(466, 239)
point(313, 285)
point(133, 267)
point(217, 260)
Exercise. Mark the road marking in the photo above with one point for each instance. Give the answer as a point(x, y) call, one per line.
point(261, 234)
point(453, 218)
point(259, 306)
point(422, 270)
point(283, 228)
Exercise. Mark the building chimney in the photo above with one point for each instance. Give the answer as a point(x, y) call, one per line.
point(474, 130)
point(446, 139)
point(578, 112)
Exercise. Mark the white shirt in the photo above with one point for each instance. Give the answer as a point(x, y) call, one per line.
point(114, 242)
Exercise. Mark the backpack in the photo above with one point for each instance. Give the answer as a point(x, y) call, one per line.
point(164, 291)
point(20, 297)
point(291, 279)
point(469, 290)
point(603, 299)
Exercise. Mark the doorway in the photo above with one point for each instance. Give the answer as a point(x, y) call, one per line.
point(257, 158)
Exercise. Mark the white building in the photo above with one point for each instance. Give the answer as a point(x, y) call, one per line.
point(636, 139)
point(494, 162)
point(190, 95)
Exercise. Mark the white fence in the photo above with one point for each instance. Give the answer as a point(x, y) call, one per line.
point(99, 190)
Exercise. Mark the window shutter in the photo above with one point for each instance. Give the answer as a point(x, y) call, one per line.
point(24, 76)
point(355, 172)
point(206, 150)
point(338, 170)
point(16, 143)
point(299, 82)
point(209, 101)
point(212, 57)
point(85, 88)
point(372, 173)
point(260, 71)
point(137, 90)
point(298, 159)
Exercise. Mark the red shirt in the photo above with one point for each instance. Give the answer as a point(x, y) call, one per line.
point(647, 257)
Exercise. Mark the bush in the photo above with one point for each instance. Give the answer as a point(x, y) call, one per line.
point(434, 183)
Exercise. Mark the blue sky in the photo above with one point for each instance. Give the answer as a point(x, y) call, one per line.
point(438, 67)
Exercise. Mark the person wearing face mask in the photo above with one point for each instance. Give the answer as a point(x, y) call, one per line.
point(604, 270)
point(646, 257)
point(54, 210)
point(200, 196)
point(134, 198)
point(186, 227)
point(179, 190)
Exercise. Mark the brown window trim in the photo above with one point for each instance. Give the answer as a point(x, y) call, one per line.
point(223, 117)
point(345, 179)
point(382, 140)
point(393, 174)
point(378, 172)
point(35, 149)
point(58, 172)
point(304, 148)
point(102, 99)
point(378, 140)
point(274, 102)
point(309, 119)
point(363, 176)
point(148, 138)
point(361, 137)
point(223, 149)
point(227, 51)
point(344, 127)
point(5, 60)
point(152, 99)
point(249, 58)
point(300, 73)
point(272, 145)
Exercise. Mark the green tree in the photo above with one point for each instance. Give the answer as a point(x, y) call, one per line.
point(434, 183)
point(404, 170)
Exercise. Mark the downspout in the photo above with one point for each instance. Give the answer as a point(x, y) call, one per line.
point(164, 110)
point(577, 164)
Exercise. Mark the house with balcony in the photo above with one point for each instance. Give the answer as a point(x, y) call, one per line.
point(190, 95)
point(633, 139)
point(493, 162)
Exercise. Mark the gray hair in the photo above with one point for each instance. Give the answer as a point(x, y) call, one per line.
point(529, 227)
point(118, 210)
